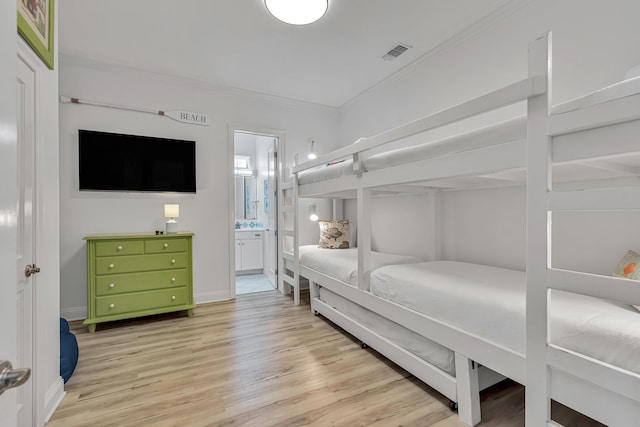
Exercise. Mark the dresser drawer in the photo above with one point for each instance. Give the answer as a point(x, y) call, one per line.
point(158, 246)
point(133, 282)
point(140, 301)
point(115, 247)
point(133, 263)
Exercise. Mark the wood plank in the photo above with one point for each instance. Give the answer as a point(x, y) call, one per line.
point(239, 363)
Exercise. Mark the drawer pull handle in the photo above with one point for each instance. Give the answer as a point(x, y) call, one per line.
point(112, 306)
point(173, 261)
point(111, 285)
point(119, 248)
point(111, 265)
point(166, 245)
point(173, 298)
point(173, 279)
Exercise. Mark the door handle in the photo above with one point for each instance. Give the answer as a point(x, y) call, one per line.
point(10, 378)
point(31, 269)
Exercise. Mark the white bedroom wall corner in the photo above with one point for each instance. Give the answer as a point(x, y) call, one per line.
point(231, 240)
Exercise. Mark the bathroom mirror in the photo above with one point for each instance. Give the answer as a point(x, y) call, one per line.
point(246, 200)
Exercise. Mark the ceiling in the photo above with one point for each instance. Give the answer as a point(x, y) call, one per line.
point(236, 43)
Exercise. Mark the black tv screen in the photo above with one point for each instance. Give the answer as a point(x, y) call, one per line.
point(117, 162)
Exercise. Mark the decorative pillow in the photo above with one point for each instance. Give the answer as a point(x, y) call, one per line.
point(629, 267)
point(334, 234)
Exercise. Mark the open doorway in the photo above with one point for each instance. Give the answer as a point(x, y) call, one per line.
point(255, 226)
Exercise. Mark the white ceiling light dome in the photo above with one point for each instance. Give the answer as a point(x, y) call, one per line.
point(297, 12)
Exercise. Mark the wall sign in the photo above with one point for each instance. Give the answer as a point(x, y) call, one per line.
point(179, 116)
point(187, 117)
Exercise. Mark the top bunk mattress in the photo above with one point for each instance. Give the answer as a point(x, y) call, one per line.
point(490, 302)
point(500, 133)
point(342, 264)
point(618, 90)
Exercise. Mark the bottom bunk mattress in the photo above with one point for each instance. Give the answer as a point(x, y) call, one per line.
point(342, 264)
point(422, 347)
point(490, 302)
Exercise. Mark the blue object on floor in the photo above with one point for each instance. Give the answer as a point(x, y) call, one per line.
point(68, 351)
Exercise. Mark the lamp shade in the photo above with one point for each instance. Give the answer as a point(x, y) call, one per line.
point(171, 211)
point(297, 12)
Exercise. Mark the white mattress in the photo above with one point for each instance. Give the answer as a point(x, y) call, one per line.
point(342, 264)
point(324, 173)
point(500, 133)
point(422, 347)
point(618, 90)
point(490, 302)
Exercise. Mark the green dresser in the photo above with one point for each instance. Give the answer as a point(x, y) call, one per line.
point(133, 275)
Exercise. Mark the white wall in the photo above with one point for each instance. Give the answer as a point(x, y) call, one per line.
point(206, 213)
point(594, 44)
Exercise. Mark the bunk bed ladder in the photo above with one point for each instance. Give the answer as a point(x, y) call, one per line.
point(537, 392)
point(289, 270)
point(553, 371)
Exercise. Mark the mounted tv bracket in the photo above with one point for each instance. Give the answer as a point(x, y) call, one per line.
point(179, 116)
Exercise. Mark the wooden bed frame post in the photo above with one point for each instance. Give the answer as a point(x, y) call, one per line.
point(364, 238)
point(467, 390)
point(537, 394)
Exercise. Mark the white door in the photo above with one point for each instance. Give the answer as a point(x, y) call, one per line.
point(8, 167)
point(25, 243)
point(271, 239)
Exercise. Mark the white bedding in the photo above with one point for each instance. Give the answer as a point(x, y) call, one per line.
point(324, 173)
point(422, 347)
point(500, 133)
point(342, 264)
point(490, 302)
point(618, 90)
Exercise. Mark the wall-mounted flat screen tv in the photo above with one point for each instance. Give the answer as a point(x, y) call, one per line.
point(117, 162)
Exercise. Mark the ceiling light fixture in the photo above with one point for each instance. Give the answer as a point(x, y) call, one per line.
point(297, 12)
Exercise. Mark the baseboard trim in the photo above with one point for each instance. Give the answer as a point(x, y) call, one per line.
point(80, 313)
point(74, 313)
point(53, 398)
point(205, 297)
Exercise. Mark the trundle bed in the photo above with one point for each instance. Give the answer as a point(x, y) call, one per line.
point(569, 336)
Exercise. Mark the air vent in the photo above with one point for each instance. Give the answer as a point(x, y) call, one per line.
point(396, 51)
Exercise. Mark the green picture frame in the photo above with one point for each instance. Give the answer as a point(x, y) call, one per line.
point(35, 25)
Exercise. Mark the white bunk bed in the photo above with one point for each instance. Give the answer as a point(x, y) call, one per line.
point(531, 148)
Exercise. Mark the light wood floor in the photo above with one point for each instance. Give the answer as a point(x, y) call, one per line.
point(258, 361)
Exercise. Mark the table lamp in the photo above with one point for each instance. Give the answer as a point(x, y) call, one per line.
point(172, 212)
